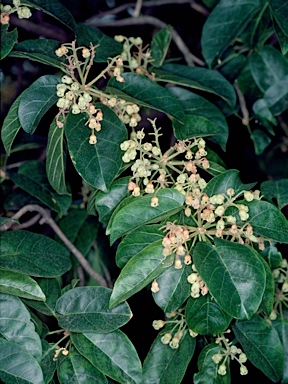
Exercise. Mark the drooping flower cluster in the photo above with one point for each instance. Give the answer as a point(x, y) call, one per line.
point(198, 286)
point(23, 12)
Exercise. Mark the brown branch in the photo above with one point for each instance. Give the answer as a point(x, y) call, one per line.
point(46, 218)
point(199, 8)
point(138, 7)
point(27, 223)
point(243, 107)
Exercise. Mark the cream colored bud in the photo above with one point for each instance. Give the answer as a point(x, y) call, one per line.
point(187, 259)
point(119, 38)
point(154, 201)
point(248, 196)
point(222, 370)
point(136, 191)
point(92, 139)
point(178, 264)
point(155, 287)
point(219, 211)
point(243, 370)
point(166, 338)
point(242, 358)
point(230, 192)
point(217, 358)
point(243, 215)
point(158, 324)
point(174, 343)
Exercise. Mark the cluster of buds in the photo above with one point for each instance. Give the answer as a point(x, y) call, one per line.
point(23, 12)
point(198, 285)
point(64, 352)
point(280, 275)
point(137, 61)
point(125, 110)
point(175, 242)
point(229, 351)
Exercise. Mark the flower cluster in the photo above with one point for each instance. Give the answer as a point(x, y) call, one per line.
point(125, 110)
point(198, 285)
point(23, 12)
point(280, 275)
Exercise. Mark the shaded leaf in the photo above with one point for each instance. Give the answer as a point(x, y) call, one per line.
point(277, 189)
point(260, 140)
point(282, 38)
point(112, 353)
point(47, 364)
point(11, 126)
point(279, 9)
point(20, 285)
point(8, 39)
point(268, 297)
point(72, 223)
point(86, 309)
point(281, 326)
point(272, 256)
point(160, 44)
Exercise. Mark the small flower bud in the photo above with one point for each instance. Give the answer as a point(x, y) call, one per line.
point(243, 370)
point(86, 53)
point(157, 324)
point(67, 79)
point(75, 109)
point(119, 38)
point(242, 358)
point(217, 358)
point(192, 278)
point(285, 287)
point(155, 287)
point(273, 315)
point(248, 196)
point(174, 343)
point(92, 139)
point(156, 151)
point(177, 264)
point(154, 201)
point(166, 338)
point(219, 211)
point(192, 333)
point(231, 219)
point(136, 191)
point(222, 370)
point(220, 224)
point(230, 192)
point(243, 215)
point(233, 349)
point(149, 188)
point(187, 259)
point(24, 13)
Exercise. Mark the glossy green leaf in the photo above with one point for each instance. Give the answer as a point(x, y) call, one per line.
point(281, 326)
point(56, 159)
point(232, 69)
point(36, 101)
point(75, 369)
point(160, 44)
point(108, 47)
point(136, 241)
point(86, 309)
point(14, 361)
point(263, 113)
point(72, 223)
point(41, 50)
point(32, 178)
point(260, 140)
point(16, 325)
point(106, 202)
point(99, 163)
point(11, 126)
point(20, 285)
point(40, 327)
point(87, 235)
point(228, 179)
point(149, 94)
point(272, 255)
point(276, 189)
point(198, 106)
point(268, 297)
point(32, 254)
point(247, 83)
point(227, 20)
point(205, 317)
point(268, 67)
point(208, 369)
point(233, 274)
point(279, 9)
point(8, 40)
point(140, 271)
point(268, 221)
point(282, 38)
point(140, 212)
point(112, 353)
point(166, 365)
point(48, 365)
point(174, 288)
point(52, 291)
point(53, 8)
point(262, 346)
point(198, 78)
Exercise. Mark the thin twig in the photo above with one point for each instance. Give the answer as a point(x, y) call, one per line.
point(27, 223)
point(80, 273)
point(243, 107)
point(188, 56)
point(199, 8)
point(46, 218)
point(138, 7)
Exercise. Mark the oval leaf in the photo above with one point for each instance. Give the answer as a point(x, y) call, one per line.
point(86, 309)
point(277, 189)
point(32, 254)
point(11, 126)
point(8, 39)
point(99, 163)
point(262, 345)
point(20, 285)
point(111, 353)
point(279, 9)
point(233, 274)
point(36, 100)
point(47, 364)
point(281, 326)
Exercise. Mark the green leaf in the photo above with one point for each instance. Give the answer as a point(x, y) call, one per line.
point(282, 38)
point(227, 20)
point(75, 369)
point(268, 67)
point(41, 50)
point(279, 9)
point(281, 326)
point(268, 297)
point(72, 223)
point(112, 353)
point(140, 270)
point(32, 254)
point(160, 44)
point(87, 235)
point(136, 241)
point(149, 94)
point(268, 221)
point(174, 288)
point(198, 78)
point(228, 179)
point(20, 285)
point(11, 126)
point(56, 159)
point(232, 69)
point(14, 361)
point(8, 39)
point(86, 309)
point(36, 100)
point(166, 365)
point(16, 325)
point(260, 140)
point(247, 83)
point(272, 256)
point(208, 369)
point(108, 47)
point(106, 202)
point(48, 365)
point(52, 291)
point(140, 212)
point(53, 8)
point(99, 163)
point(32, 178)
point(233, 274)
point(40, 327)
point(199, 107)
point(262, 346)
point(204, 316)
point(276, 189)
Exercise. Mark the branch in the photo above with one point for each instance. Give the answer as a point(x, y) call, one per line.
point(243, 107)
point(27, 223)
point(46, 218)
point(188, 56)
point(138, 7)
